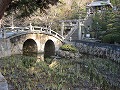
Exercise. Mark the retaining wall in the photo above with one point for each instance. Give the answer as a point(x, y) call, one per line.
point(108, 51)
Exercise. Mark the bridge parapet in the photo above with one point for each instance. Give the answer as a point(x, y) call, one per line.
point(35, 36)
point(47, 31)
point(16, 31)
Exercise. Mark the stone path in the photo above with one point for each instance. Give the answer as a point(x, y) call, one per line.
point(3, 83)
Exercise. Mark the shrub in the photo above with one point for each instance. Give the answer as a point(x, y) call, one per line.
point(28, 61)
point(111, 38)
point(48, 60)
point(68, 47)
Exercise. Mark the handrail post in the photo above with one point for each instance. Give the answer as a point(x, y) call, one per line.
point(31, 27)
point(62, 28)
point(80, 29)
point(50, 31)
point(3, 32)
point(41, 29)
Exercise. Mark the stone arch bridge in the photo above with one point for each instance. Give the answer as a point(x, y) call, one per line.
point(31, 39)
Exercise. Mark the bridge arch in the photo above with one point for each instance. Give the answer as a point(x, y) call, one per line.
point(49, 48)
point(30, 47)
point(17, 43)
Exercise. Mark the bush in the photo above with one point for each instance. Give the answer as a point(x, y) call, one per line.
point(111, 38)
point(28, 61)
point(68, 47)
point(48, 60)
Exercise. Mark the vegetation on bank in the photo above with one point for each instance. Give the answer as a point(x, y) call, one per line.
point(111, 38)
point(69, 47)
point(87, 72)
point(106, 25)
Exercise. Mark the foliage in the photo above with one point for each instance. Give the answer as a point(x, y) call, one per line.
point(115, 2)
point(62, 11)
point(68, 47)
point(48, 60)
point(28, 61)
point(28, 7)
point(111, 38)
point(113, 24)
point(107, 23)
point(76, 10)
point(100, 21)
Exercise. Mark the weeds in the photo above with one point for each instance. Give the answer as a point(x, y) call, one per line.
point(23, 72)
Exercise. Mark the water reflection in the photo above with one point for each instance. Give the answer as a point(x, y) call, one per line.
point(30, 54)
point(39, 56)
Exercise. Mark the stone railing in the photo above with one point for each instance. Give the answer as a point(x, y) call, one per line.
point(48, 31)
point(15, 31)
point(99, 49)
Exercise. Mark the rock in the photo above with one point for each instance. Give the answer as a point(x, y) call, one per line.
point(67, 54)
point(3, 83)
point(72, 55)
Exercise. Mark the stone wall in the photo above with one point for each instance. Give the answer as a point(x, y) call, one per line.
point(3, 83)
point(68, 54)
point(99, 49)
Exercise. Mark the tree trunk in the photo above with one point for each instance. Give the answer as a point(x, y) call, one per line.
point(3, 5)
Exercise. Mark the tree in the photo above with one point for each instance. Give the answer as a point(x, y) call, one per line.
point(99, 24)
point(109, 23)
point(3, 6)
point(26, 7)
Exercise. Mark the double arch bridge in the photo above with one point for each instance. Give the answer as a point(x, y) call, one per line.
point(32, 39)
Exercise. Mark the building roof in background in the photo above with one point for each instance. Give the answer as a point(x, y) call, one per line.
point(100, 3)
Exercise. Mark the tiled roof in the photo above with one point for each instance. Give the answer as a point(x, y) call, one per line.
point(99, 3)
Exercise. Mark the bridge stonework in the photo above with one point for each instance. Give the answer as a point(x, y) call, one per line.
point(14, 44)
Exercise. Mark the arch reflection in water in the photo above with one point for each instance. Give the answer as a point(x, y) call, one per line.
point(30, 49)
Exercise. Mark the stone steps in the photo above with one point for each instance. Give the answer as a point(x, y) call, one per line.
point(87, 24)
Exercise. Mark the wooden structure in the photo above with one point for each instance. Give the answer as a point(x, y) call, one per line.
point(98, 6)
point(72, 29)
